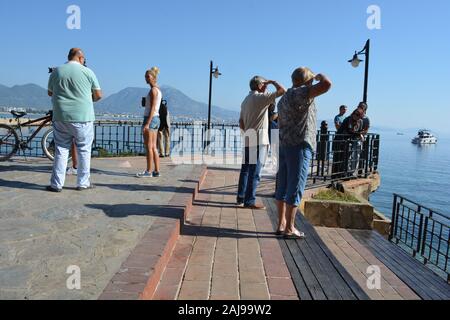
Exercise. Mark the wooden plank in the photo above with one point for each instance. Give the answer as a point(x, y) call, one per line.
point(358, 292)
point(414, 263)
point(334, 280)
point(339, 282)
point(313, 286)
point(410, 276)
point(363, 258)
point(329, 267)
point(299, 283)
point(343, 257)
point(318, 268)
point(395, 266)
point(428, 277)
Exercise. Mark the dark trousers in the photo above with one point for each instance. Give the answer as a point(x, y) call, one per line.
point(250, 176)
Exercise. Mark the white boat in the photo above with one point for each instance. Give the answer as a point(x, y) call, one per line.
point(425, 137)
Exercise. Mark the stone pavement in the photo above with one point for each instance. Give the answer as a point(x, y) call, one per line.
point(225, 253)
point(42, 234)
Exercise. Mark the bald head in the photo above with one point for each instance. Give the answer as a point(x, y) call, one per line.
point(75, 53)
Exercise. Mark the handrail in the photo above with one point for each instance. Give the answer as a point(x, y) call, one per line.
point(424, 231)
point(337, 157)
point(428, 209)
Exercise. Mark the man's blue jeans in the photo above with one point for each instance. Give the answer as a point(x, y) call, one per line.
point(293, 173)
point(250, 177)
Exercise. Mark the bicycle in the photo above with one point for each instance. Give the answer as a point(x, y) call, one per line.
point(10, 142)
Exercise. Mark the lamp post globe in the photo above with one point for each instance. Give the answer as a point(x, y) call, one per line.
point(355, 61)
point(216, 73)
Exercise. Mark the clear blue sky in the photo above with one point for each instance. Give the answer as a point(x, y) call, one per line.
point(410, 63)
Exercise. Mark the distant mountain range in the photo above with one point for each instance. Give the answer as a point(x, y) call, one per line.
point(129, 101)
point(126, 101)
point(26, 96)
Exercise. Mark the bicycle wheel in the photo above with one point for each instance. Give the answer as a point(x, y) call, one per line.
point(9, 142)
point(48, 145)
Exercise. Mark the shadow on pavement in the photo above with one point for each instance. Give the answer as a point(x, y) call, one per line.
point(217, 232)
point(173, 212)
point(25, 168)
point(126, 210)
point(111, 173)
point(21, 185)
point(139, 187)
point(214, 204)
point(223, 169)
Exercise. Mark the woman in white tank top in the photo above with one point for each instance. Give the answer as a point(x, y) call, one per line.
point(151, 124)
point(148, 103)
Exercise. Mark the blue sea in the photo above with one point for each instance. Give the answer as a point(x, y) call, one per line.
point(419, 173)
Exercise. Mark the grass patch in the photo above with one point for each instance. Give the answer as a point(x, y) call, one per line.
point(334, 195)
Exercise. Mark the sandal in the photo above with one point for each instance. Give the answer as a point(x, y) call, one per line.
point(280, 232)
point(297, 235)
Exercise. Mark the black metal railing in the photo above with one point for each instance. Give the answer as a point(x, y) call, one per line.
point(114, 138)
point(337, 157)
point(125, 137)
point(340, 157)
point(422, 231)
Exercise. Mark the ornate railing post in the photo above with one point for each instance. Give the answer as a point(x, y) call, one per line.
point(394, 217)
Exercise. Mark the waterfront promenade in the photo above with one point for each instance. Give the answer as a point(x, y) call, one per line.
point(42, 234)
point(232, 253)
point(181, 237)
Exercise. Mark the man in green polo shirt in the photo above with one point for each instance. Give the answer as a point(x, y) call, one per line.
point(73, 88)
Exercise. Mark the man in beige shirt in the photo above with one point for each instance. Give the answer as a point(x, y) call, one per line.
point(254, 121)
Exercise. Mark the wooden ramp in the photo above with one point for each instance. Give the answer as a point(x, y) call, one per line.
point(334, 264)
point(426, 284)
point(317, 274)
point(230, 253)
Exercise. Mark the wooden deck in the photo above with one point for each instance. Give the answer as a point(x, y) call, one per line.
point(231, 253)
point(333, 264)
point(426, 284)
point(316, 273)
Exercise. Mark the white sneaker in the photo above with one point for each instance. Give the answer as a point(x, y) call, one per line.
point(144, 174)
point(72, 171)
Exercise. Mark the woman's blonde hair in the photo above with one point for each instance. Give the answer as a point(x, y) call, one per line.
point(154, 72)
point(303, 75)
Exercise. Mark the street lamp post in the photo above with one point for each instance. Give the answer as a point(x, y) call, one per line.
point(213, 72)
point(356, 61)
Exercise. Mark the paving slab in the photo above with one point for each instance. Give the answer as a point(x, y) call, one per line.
point(42, 234)
point(229, 258)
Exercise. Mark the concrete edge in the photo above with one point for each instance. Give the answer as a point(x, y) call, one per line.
point(140, 273)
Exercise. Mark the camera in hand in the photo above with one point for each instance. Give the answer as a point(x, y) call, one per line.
point(144, 101)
